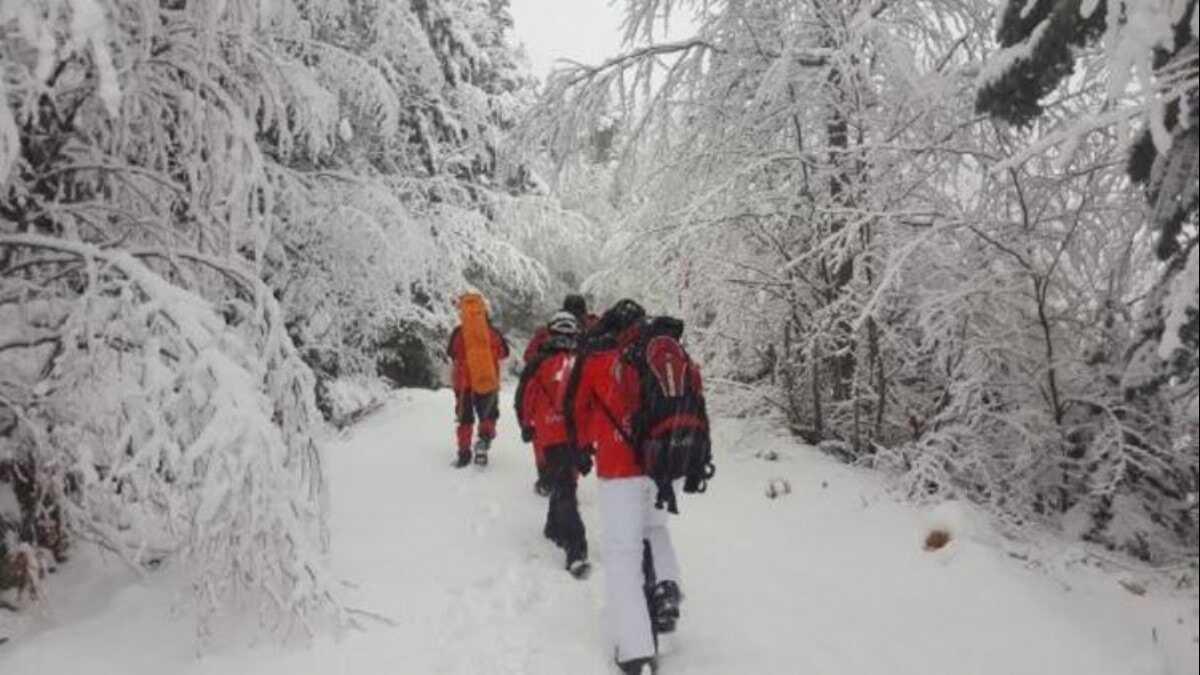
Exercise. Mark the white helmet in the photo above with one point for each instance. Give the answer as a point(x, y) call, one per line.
point(563, 323)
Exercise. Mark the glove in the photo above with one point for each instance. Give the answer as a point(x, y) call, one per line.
point(526, 434)
point(697, 481)
point(583, 461)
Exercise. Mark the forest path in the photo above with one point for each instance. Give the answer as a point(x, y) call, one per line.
point(830, 579)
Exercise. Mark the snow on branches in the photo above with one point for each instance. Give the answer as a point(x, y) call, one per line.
point(199, 202)
point(169, 430)
point(810, 187)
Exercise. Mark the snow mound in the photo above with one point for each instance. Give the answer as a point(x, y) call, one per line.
point(352, 398)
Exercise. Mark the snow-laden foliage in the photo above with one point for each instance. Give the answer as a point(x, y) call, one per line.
point(201, 205)
point(163, 432)
point(809, 186)
point(414, 175)
point(160, 408)
point(1150, 68)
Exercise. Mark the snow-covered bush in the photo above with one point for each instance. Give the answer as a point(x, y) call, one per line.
point(166, 431)
point(353, 397)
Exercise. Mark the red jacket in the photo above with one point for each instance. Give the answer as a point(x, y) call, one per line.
point(461, 380)
point(605, 393)
point(535, 343)
point(542, 395)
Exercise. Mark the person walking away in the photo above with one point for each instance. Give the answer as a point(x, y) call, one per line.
point(577, 306)
point(476, 349)
point(603, 399)
point(539, 401)
point(573, 304)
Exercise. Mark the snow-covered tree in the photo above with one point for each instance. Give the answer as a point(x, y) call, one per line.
point(201, 204)
point(1151, 62)
point(810, 186)
point(418, 172)
point(160, 408)
point(1147, 64)
point(761, 153)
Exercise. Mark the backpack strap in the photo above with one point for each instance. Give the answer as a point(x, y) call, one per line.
point(526, 374)
point(666, 495)
point(612, 419)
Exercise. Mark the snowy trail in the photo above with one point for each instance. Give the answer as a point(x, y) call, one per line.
point(829, 580)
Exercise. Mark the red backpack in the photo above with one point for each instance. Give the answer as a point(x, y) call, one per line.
point(670, 428)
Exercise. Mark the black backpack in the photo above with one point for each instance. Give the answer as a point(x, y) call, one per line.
point(670, 428)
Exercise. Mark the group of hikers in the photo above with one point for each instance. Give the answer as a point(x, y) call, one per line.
point(617, 392)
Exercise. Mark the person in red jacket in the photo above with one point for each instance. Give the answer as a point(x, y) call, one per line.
point(576, 306)
point(573, 304)
point(602, 400)
point(540, 400)
point(470, 403)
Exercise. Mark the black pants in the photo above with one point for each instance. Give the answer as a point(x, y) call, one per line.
point(563, 524)
point(468, 405)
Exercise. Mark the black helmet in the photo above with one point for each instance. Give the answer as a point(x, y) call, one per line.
point(575, 304)
point(622, 315)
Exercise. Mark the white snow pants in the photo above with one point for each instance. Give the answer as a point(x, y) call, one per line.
point(627, 505)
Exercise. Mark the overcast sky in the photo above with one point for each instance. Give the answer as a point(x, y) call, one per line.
point(583, 30)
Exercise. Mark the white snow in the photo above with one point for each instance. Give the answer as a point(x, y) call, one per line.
point(354, 395)
point(10, 137)
point(10, 508)
point(1181, 298)
point(1003, 60)
point(829, 579)
point(88, 23)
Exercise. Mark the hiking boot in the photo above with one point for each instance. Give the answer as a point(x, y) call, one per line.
point(643, 666)
point(664, 606)
point(463, 459)
point(577, 562)
point(481, 450)
point(579, 568)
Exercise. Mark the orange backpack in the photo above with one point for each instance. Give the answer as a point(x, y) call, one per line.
point(477, 343)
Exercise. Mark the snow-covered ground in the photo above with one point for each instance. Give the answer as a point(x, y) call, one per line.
point(828, 579)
